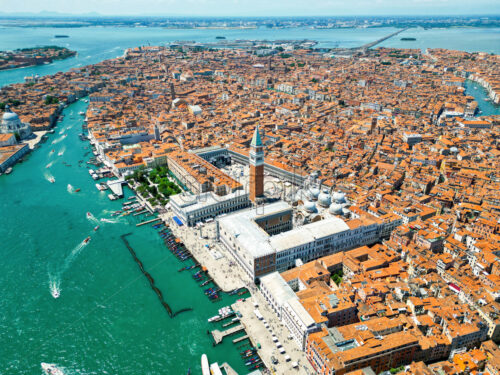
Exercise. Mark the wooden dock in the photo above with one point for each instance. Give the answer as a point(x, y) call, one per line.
point(229, 369)
point(239, 339)
point(148, 222)
point(219, 335)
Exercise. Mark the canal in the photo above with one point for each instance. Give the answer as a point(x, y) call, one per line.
point(107, 319)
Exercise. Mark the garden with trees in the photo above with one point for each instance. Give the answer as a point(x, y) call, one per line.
point(155, 186)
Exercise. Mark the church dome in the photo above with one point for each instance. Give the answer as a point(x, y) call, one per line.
point(336, 209)
point(324, 198)
point(10, 116)
point(310, 207)
point(339, 197)
point(313, 193)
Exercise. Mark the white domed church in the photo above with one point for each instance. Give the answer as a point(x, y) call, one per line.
point(11, 123)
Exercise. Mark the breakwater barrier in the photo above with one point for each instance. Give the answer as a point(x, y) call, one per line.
point(151, 280)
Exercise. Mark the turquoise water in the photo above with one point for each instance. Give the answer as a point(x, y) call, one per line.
point(95, 44)
point(107, 319)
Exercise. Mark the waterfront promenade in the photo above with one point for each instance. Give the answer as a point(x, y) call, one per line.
point(229, 277)
point(221, 270)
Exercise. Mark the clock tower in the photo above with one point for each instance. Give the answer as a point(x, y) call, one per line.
point(256, 166)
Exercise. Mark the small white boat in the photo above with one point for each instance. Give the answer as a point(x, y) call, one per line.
point(60, 153)
point(81, 113)
point(56, 294)
point(205, 368)
point(51, 369)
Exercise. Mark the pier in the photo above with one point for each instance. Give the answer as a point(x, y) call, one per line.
point(219, 335)
point(116, 187)
point(148, 222)
point(240, 339)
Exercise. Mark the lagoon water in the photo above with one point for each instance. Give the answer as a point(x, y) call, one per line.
point(107, 319)
point(95, 44)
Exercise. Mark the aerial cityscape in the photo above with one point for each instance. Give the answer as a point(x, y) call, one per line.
point(255, 189)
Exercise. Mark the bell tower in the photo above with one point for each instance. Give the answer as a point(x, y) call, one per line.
point(256, 166)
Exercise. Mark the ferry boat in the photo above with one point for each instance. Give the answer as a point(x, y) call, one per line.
point(87, 240)
point(51, 369)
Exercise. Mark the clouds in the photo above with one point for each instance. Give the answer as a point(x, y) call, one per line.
point(256, 7)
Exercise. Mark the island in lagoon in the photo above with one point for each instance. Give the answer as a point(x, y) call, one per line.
point(33, 56)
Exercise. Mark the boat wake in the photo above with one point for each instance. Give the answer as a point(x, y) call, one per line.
point(51, 369)
point(56, 277)
point(58, 140)
point(48, 176)
point(110, 221)
point(54, 286)
point(92, 218)
point(61, 152)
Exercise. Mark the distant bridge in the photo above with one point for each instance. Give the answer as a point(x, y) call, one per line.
point(378, 41)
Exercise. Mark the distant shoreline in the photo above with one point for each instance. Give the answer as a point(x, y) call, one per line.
point(23, 58)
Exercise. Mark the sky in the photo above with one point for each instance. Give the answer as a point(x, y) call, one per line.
point(256, 7)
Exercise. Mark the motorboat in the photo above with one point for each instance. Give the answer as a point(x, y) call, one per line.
point(60, 153)
point(89, 215)
point(51, 369)
point(52, 180)
point(77, 190)
point(56, 293)
point(87, 240)
point(96, 228)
